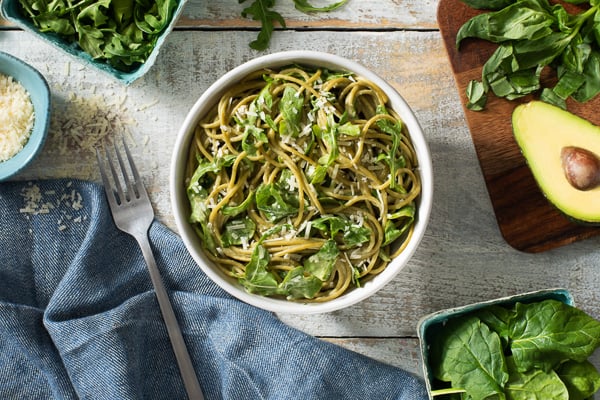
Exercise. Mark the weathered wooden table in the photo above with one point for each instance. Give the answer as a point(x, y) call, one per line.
point(463, 257)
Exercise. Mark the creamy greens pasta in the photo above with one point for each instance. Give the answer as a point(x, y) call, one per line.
point(302, 182)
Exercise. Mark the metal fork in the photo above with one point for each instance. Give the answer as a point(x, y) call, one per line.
point(133, 214)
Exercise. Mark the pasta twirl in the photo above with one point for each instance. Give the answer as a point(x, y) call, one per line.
point(302, 182)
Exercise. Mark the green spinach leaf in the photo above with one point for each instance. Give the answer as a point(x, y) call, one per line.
point(582, 379)
point(534, 385)
point(470, 356)
point(488, 4)
point(547, 333)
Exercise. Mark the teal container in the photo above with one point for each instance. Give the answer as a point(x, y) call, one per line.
point(434, 322)
point(11, 11)
point(39, 94)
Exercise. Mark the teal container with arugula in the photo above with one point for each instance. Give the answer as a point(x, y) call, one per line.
point(532, 345)
point(143, 27)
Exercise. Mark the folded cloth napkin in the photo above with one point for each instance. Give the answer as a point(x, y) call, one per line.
point(79, 317)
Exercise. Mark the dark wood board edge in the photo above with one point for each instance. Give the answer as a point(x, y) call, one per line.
point(527, 221)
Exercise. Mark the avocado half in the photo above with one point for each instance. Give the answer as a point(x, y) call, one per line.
point(542, 131)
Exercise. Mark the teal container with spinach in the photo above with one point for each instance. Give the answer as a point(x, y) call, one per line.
point(530, 346)
point(121, 38)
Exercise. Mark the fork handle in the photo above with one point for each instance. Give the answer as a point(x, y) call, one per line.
point(190, 381)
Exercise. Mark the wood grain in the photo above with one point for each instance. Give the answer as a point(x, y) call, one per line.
point(526, 219)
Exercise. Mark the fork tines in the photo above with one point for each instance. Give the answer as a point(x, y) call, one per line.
point(123, 188)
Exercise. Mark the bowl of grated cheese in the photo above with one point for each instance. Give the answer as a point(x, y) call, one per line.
point(24, 114)
point(301, 182)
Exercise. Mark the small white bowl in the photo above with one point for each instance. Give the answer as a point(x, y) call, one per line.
point(181, 207)
point(39, 94)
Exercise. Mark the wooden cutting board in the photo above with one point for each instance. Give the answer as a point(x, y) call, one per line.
point(528, 222)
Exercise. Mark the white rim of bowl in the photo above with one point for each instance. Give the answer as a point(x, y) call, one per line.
point(178, 197)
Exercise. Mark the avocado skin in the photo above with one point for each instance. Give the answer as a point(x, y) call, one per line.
point(542, 130)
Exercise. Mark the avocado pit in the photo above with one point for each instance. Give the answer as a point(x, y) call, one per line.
point(581, 167)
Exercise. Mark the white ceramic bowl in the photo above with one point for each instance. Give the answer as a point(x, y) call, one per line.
point(39, 94)
point(181, 207)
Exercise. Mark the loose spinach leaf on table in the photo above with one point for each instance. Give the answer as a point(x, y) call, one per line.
point(262, 11)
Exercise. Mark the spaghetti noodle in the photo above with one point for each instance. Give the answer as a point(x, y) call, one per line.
point(302, 182)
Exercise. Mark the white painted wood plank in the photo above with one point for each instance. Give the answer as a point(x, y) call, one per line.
point(355, 14)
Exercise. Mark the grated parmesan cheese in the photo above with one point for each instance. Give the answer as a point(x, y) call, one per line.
point(16, 117)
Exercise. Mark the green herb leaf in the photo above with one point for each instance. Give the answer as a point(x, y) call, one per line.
point(291, 105)
point(298, 285)
point(322, 262)
point(470, 356)
point(305, 6)
point(275, 202)
point(534, 385)
point(477, 96)
point(393, 159)
point(534, 34)
point(582, 379)
point(547, 333)
point(257, 278)
point(398, 223)
point(121, 33)
point(352, 234)
point(238, 232)
point(260, 10)
point(498, 319)
point(523, 20)
point(488, 4)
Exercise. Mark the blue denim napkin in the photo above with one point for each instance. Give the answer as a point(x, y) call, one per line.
point(79, 318)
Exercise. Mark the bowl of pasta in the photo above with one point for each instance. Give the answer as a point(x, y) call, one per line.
point(301, 182)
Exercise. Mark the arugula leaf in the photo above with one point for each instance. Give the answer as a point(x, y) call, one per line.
point(352, 234)
point(238, 232)
point(232, 211)
point(305, 6)
point(398, 223)
point(301, 282)
point(262, 11)
point(205, 166)
point(322, 262)
point(257, 279)
point(275, 202)
point(291, 105)
point(298, 285)
point(199, 216)
point(394, 161)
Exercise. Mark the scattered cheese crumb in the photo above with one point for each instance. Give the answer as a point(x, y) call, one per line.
point(67, 201)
